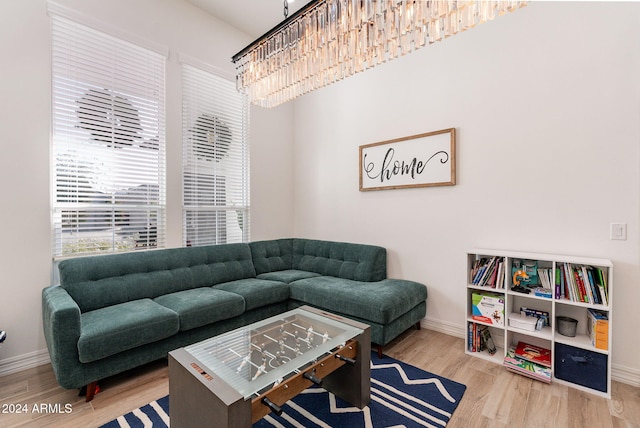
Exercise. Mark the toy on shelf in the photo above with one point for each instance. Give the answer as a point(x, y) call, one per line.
point(518, 276)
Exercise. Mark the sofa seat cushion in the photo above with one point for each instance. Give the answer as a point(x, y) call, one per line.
point(114, 329)
point(202, 306)
point(288, 275)
point(257, 292)
point(380, 302)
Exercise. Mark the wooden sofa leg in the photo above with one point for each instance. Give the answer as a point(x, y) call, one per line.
point(92, 389)
point(418, 326)
point(379, 351)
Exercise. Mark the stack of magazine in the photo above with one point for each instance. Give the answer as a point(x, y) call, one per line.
point(529, 360)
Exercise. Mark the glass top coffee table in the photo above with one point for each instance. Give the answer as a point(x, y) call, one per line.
point(238, 377)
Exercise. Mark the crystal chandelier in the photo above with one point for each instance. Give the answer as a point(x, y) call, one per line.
point(328, 40)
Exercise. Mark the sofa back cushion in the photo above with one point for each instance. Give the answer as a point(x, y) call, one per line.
point(358, 262)
point(95, 282)
point(271, 256)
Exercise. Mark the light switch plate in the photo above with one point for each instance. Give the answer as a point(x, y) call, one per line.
point(618, 231)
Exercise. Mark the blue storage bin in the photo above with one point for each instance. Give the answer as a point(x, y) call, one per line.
point(582, 367)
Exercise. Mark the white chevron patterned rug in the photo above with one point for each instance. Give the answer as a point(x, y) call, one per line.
point(401, 396)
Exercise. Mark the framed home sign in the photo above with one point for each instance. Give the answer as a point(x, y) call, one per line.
point(422, 160)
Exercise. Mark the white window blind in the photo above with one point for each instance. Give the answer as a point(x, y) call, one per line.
point(215, 159)
point(108, 143)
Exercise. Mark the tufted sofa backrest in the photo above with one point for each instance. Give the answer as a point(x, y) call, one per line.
point(98, 281)
point(273, 255)
point(358, 262)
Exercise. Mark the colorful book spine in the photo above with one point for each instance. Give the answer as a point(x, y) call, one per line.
point(488, 272)
point(602, 286)
point(581, 283)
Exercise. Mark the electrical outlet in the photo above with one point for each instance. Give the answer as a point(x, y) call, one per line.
point(618, 231)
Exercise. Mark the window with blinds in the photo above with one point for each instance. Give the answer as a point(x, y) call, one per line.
point(215, 159)
point(108, 148)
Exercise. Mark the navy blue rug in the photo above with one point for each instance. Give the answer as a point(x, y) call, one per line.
point(401, 396)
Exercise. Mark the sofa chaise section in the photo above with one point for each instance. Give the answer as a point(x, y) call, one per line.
point(389, 306)
point(346, 279)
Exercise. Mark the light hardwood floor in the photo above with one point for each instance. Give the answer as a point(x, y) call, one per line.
point(494, 396)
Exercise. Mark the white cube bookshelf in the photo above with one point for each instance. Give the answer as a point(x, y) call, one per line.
point(568, 351)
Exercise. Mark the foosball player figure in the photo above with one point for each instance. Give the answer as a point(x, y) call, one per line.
point(244, 362)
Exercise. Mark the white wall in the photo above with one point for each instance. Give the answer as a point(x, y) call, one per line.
point(271, 173)
point(25, 76)
point(546, 105)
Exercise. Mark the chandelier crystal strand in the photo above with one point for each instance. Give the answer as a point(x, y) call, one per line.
point(329, 40)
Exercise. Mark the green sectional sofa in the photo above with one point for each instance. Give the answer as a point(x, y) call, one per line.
point(114, 312)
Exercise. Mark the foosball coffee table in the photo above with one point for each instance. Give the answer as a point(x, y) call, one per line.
point(235, 379)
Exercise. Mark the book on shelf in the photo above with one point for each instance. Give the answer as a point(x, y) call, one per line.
point(559, 284)
point(487, 340)
point(478, 264)
point(533, 354)
point(568, 281)
point(598, 328)
point(480, 339)
point(581, 283)
point(473, 339)
point(545, 289)
point(526, 368)
point(601, 282)
point(582, 291)
point(545, 275)
point(488, 272)
point(592, 288)
point(500, 281)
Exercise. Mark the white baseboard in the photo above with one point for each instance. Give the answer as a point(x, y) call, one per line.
point(24, 362)
point(625, 375)
point(618, 373)
point(443, 327)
